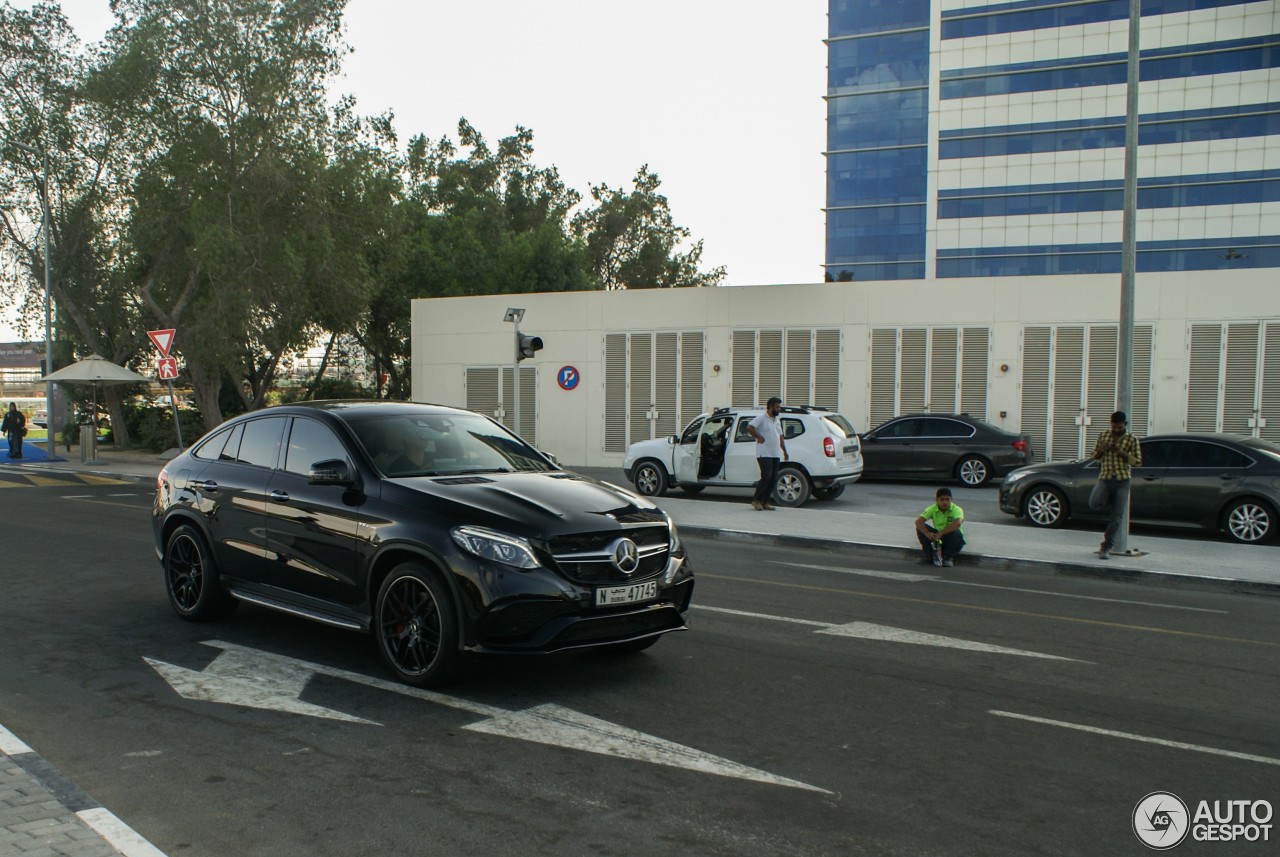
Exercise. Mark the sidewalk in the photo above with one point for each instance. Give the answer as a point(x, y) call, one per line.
point(1203, 561)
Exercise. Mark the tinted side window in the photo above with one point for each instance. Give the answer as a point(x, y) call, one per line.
point(691, 433)
point(1158, 453)
point(740, 434)
point(310, 442)
point(261, 444)
point(1199, 454)
point(902, 428)
point(791, 428)
point(232, 448)
point(211, 447)
point(935, 427)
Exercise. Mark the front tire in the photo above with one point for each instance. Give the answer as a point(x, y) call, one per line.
point(1249, 522)
point(1045, 506)
point(792, 488)
point(973, 471)
point(650, 479)
point(191, 578)
point(415, 626)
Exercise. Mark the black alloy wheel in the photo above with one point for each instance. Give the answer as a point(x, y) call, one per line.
point(191, 578)
point(415, 626)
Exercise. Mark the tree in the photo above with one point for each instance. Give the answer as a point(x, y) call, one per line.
point(633, 243)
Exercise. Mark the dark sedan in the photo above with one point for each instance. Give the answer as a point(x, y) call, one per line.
point(434, 529)
point(942, 446)
point(1211, 481)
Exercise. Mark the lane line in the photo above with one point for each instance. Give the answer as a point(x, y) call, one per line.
point(912, 578)
point(1000, 610)
point(808, 622)
point(1111, 733)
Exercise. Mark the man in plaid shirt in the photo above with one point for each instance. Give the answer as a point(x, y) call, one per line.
point(1118, 453)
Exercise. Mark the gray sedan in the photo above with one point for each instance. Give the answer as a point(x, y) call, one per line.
point(1216, 482)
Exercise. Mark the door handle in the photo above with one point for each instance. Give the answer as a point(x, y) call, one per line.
point(1228, 477)
point(1151, 479)
point(206, 485)
point(280, 496)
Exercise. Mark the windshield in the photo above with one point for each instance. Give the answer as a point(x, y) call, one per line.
point(444, 445)
point(840, 423)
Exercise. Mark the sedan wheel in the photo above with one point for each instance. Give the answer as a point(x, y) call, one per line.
point(1250, 521)
point(415, 626)
point(191, 578)
point(650, 479)
point(792, 488)
point(973, 471)
point(1045, 507)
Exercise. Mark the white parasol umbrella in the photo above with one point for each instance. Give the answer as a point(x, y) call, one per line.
point(96, 370)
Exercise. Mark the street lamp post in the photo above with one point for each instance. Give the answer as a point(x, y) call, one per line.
point(515, 315)
point(50, 416)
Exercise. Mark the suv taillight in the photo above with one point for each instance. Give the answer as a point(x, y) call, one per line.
point(829, 447)
point(1020, 445)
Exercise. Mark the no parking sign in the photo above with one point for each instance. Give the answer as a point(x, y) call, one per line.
point(568, 378)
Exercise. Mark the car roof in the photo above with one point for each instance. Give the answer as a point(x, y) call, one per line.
point(345, 408)
point(1220, 437)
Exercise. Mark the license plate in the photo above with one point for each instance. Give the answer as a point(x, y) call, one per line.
point(611, 596)
point(849, 451)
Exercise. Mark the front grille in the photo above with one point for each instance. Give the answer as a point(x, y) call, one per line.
point(587, 558)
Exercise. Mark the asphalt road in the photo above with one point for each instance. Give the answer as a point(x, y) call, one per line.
point(820, 704)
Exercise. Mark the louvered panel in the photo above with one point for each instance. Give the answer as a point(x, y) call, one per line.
point(1203, 377)
point(1100, 389)
point(1068, 393)
point(640, 387)
point(912, 372)
point(1240, 381)
point(743, 394)
point(884, 376)
point(615, 392)
point(665, 382)
point(799, 367)
point(975, 348)
point(529, 404)
point(1140, 416)
point(1270, 394)
point(1036, 363)
point(509, 399)
point(770, 371)
point(482, 391)
point(692, 359)
point(826, 369)
point(944, 365)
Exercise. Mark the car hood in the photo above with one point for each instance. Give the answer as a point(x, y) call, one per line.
point(532, 504)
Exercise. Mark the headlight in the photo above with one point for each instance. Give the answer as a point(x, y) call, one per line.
point(1016, 476)
point(496, 547)
point(676, 544)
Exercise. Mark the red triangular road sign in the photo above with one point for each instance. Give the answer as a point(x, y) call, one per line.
point(162, 339)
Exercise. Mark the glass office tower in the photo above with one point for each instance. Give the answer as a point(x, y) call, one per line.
point(976, 139)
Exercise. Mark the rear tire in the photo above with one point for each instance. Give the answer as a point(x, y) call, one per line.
point(792, 488)
point(973, 471)
point(415, 626)
point(1249, 522)
point(191, 578)
point(828, 493)
point(1045, 506)
point(650, 479)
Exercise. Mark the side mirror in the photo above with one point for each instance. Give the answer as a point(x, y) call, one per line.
point(549, 457)
point(333, 471)
point(869, 437)
point(674, 439)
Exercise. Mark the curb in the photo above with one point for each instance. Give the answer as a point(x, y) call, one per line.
point(1002, 563)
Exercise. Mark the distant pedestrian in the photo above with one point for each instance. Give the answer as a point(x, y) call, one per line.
point(1117, 453)
point(939, 530)
point(14, 427)
point(771, 450)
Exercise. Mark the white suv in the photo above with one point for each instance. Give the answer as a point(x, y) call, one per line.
point(823, 455)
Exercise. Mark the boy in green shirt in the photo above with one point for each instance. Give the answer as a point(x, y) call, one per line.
point(938, 529)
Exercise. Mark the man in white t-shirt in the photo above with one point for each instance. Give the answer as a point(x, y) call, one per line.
point(771, 450)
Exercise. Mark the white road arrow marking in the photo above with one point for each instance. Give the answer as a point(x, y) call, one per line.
point(249, 677)
point(905, 577)
point(563, 727)
point(868, 631)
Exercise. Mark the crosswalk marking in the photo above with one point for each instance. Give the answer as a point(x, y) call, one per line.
point(49, 479)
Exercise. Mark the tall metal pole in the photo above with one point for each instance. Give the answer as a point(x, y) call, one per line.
point(50, 415)
point(516, 378)
point(1128, 255)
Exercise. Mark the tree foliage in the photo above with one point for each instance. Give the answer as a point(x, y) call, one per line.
point(200, 179)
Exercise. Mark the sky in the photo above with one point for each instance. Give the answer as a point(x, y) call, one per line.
point(721, 98)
